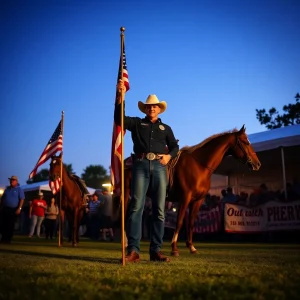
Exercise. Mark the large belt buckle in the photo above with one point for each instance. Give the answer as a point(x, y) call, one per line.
point(151, 156)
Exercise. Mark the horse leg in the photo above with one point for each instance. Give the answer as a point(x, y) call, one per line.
point(180, 217)
point(194, 209)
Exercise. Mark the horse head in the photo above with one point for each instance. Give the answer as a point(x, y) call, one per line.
point(54, 171)
point(243, 150)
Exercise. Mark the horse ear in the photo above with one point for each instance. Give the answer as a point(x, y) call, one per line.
point(243, 129)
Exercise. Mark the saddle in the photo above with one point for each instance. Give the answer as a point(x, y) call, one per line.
point(81, 184)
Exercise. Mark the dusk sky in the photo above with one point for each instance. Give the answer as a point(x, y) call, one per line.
point(213, 62)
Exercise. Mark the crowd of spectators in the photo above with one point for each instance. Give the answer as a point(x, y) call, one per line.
point(258, 196)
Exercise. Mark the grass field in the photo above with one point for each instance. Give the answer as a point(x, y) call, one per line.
point(38, 269)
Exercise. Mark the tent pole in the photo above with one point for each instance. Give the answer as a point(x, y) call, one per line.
point(283, 172)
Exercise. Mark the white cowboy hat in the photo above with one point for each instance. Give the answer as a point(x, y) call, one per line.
point(152, 99)
point(41, 193)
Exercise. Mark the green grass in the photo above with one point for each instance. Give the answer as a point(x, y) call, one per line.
point(38, 269)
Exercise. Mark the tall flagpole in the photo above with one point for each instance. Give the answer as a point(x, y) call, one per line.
point(122, 29)
point(60, 233)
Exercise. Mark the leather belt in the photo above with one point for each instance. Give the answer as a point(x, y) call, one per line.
point(149, 156)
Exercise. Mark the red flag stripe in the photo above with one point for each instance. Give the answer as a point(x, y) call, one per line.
point(55, 144)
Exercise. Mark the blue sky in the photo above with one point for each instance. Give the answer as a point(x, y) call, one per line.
point(214, 62)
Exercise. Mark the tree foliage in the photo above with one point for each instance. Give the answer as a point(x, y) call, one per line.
point(94, 176)
point(69, 168)
point(43, 174)
point(272, 119)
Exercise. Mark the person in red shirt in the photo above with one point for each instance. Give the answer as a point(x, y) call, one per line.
point(37, 214)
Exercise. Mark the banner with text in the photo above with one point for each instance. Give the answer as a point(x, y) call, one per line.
point(266, 217)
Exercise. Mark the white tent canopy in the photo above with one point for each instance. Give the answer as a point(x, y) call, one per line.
point(277, 149)
point(264, 144)
point(272, 139)
point(44, 186)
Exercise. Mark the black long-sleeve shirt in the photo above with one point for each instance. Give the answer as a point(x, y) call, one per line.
point(148, 136)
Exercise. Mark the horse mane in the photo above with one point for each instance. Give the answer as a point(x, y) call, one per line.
point(207, 140)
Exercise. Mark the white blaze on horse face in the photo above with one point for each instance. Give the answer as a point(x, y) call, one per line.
point(175, 237)
point(54, 161)
point(248, 141)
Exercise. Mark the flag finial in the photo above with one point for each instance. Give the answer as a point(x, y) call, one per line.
point(122, 29)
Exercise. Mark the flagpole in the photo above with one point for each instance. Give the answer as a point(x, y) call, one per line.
point(122, 29)
point(60, 233)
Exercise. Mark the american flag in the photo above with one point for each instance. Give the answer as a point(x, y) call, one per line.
point(207, 221)
point(55, 144)
point(116, 148)
point(55, 185)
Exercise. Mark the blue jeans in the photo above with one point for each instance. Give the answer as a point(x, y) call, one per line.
point(36, 222)
point(153, 175)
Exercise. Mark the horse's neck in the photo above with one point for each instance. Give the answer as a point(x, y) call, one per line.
point(212, 154)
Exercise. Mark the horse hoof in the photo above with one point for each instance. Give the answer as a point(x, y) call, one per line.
point(193, 251)
point(175, 253)
point(74, 245)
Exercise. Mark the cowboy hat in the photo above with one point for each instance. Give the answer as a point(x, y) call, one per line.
point(13, 178)
point(41, 193)
point(152, 99)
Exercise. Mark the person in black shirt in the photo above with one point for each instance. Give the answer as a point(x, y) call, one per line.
point(154, 145)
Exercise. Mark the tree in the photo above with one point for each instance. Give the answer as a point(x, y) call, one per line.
point(94, 176)
point(69, 168)
point(43, 174)
point(272, 120)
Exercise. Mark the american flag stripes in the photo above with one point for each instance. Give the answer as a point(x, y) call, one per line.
point(116, 149)
point(55, 144)
point(208, 221)
point(55, 185)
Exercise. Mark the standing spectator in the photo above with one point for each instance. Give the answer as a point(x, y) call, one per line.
point(51, 217)
point(10, 207)
point(93, 217)
point(106, 214)
point(37, 214)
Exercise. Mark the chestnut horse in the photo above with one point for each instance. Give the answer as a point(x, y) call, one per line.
point(190, 174)
point(72, 202)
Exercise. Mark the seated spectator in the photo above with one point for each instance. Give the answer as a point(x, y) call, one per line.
point(242, 199)
point(253, 198)
point(230, 197)
point(296, 186)
point(223, 193)
point(291, 193)
point(264, 195)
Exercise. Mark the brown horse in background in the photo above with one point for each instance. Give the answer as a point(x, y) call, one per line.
point(190, 175)
point(72, 202)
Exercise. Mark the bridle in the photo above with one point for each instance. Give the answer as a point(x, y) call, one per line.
point(239, 144)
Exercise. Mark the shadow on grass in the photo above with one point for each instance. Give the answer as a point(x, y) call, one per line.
point(61, 256)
